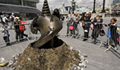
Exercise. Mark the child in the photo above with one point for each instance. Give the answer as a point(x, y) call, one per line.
point(5, 33)
point(17, 30)
point(70, 24)
point(97, 24)
point(75, 25)
point(113, 32)
point(22, 29)
point(86, 25)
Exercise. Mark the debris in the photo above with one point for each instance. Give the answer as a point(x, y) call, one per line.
point(2, 62)
point(29, 59)
point(61, 58)
point(13, 68)
point(10, 63)
point(20, 67)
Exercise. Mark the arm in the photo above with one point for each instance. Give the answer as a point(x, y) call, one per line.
point(2, 29)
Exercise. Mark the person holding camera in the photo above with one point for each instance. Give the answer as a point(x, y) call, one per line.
point(85, 19)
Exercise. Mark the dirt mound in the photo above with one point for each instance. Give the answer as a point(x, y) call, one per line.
point(57, 58)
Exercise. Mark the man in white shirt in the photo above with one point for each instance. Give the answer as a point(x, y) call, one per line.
point(12, 20)
point(4, 19)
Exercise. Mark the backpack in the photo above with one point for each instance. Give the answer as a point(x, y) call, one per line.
point(22, 28)
point(12, 18)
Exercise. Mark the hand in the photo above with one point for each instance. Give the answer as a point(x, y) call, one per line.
point(95, 23)
point(103, 23)
point(4, 29)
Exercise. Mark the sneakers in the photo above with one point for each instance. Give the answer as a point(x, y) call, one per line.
point(116, 48)
point(8, 44)
point(109, 47)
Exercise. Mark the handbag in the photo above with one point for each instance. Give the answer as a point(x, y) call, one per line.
point(102, 32)
point(70, 27)
point(92, 26)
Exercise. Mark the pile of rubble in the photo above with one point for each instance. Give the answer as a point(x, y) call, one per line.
point(62, 57)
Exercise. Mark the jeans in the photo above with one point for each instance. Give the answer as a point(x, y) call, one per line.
point(6, 39)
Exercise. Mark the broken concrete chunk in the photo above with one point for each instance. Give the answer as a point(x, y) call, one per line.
point(20, 67)
point(29, 59)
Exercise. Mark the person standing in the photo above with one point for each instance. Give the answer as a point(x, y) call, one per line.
point(70, 23)
point(12, 20)
point(114, 36)
point(85, 25)
point(75, 25)
point(5, 33)
point(16, 17)
point(17, 30)
point(22, 29)
point(5, 19)
point(97, 28)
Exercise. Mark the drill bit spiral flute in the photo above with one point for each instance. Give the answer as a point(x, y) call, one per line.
point(48, 25)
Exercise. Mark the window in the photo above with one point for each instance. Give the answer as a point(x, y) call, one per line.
point(31, 4)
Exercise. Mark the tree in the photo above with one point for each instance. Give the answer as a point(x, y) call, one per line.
point(107, 9)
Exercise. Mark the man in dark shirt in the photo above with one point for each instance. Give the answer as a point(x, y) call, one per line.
point(17, 30)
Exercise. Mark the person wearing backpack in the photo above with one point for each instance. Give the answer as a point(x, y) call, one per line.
point(12, 20)
point(22, 29)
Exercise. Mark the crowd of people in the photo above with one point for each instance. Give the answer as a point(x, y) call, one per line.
point(96, 25)
point(12, 22)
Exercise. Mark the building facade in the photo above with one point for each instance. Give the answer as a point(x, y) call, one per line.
point(115, 2)
point(25, 8)
point(31, 3)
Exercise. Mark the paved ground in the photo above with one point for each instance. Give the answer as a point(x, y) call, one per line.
point(98, 60)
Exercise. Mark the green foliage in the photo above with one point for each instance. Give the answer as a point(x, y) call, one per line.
point(107, 9)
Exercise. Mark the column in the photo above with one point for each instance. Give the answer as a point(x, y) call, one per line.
point(22, 2)
point(103, 10)
point(94, 7)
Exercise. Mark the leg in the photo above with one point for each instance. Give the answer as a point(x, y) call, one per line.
point(77, 31)
point(6, 40)
point(73, 32)
point(68, 30)
point(21, 35)
point(85, 34)
point(16, 36)
point(25, 34)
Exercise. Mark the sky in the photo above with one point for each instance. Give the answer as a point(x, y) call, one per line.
point(58, 3)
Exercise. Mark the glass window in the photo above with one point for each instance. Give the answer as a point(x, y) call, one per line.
point(18, 2)
point(31, 4)
point(2, 1)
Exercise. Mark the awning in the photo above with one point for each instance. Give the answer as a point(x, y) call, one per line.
point(17, 9)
